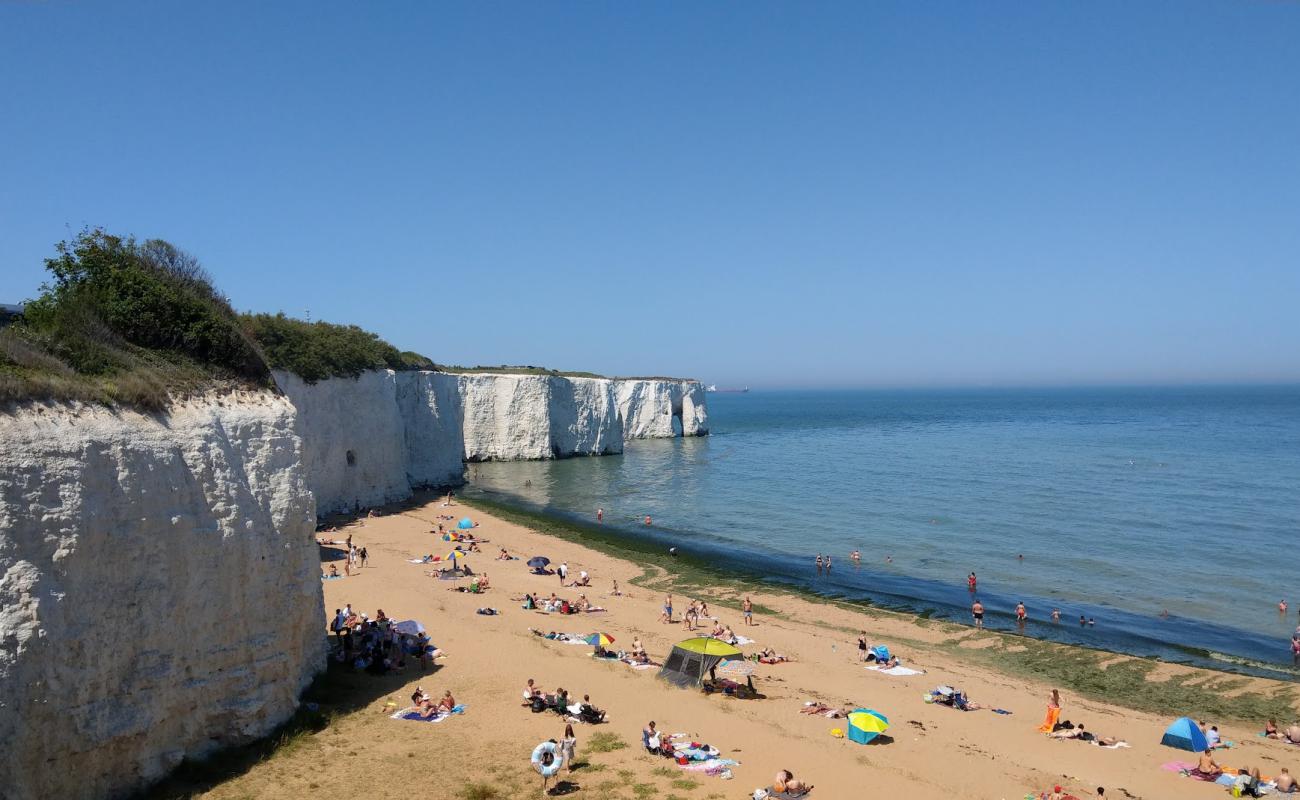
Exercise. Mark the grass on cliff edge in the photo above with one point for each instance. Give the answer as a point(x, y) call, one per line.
point(1122, 680)
point(134, 323)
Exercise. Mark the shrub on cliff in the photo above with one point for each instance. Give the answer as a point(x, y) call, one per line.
point(318, 350)
point(127, 322)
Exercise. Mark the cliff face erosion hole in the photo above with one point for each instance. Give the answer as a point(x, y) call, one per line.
point(678, 428)
point(352, 458)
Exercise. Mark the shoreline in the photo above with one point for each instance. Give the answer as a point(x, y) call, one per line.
point(1030, 657)
point(1115, 639)
point(489, 657)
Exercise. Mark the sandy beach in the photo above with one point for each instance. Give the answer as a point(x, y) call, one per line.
point(932, 752)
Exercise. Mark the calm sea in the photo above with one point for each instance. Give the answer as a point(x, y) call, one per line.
point(1124, 503)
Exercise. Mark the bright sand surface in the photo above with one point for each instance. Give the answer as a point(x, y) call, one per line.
point(936, 752)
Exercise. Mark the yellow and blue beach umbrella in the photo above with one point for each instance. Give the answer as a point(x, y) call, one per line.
point(866, 724)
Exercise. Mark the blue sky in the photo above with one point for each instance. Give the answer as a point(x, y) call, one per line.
point(773, 194)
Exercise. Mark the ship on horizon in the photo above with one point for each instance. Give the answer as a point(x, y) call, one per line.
point(713, 387)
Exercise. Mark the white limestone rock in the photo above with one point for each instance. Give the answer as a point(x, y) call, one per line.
point(159, 589)
point(354, 439)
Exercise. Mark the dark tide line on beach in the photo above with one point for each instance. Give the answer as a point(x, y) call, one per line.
point(1171, 639)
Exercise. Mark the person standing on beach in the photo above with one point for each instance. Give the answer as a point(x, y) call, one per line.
point(562, 571)
point(1053, 712)
point(568, 746)
point(667, 615)
point(977, 611)
point(748, 608)
point(862, 647)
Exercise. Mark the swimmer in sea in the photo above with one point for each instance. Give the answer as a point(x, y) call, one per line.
point(1082, 620)
point(828, 564)
point(819, 563)
point(1281, 607)
point(970, 582)
point(1021, 614)
point(1056, 615)
point(889, 559)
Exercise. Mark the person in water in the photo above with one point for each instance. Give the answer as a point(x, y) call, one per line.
point(1056, 615)
point(970, 582)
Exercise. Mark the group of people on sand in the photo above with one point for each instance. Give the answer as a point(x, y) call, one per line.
point(561, 703)
point(375, 645)
point(557, 605)
point(426, 707)
point(354, 557)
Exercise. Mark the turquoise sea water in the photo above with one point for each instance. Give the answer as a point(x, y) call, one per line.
point(1123, 502)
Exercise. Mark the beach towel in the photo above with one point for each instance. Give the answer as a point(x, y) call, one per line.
point(999, 711)
point(1177, 766)
point(416, 561)
point(1115, 746)
point(743, 640)
point(1053, 714)
point(411, 714)
point(896, 670)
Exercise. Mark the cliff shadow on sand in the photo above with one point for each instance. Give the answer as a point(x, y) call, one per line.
point(338, 691)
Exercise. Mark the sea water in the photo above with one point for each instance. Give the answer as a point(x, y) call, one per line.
point(1170, 516)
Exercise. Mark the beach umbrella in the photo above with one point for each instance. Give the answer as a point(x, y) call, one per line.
point(1185, 735)
point(736, 668)
point(538, 562)
point(465, 523)
point(599, 639)
point(688, 662)
point(409, 627)
point(708, 646)
point(865, 724)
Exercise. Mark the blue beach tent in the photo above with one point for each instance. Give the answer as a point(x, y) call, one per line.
point(880, 652)
point(1184, 735)
point(465, 523)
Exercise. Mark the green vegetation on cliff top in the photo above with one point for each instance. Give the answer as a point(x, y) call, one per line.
point(138, 324)
point(125, 322)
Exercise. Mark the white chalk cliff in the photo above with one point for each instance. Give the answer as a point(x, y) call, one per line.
point(159, 589)
point(369, 440)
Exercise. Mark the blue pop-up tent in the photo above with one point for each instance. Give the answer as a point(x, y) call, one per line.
point(1185, 735)
point(880, 652)
point(465, 523)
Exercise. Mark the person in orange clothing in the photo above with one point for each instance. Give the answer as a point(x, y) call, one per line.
point(1053, 712)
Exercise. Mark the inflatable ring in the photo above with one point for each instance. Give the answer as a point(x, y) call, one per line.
point(557, 759)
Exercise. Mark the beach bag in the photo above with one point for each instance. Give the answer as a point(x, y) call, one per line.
point(538, 705)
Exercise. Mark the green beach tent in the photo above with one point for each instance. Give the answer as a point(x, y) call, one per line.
point(692, 659)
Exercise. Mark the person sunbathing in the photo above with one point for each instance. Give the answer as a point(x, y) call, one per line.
point(1292, 735)
point(823, 710)
point(1284, 782)
point(785, 784)
point(583, 603)
point(447, 703)
point(1206, 768)
point(770, 656)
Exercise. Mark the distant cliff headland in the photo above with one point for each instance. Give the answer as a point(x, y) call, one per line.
point(163, 461)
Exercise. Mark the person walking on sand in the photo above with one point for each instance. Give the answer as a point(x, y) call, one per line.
point(365, 556)
point(667, 615)
point(748, 609)
point(568, 746)
point(563, 571)
point(1053, 712)
point(977, 611)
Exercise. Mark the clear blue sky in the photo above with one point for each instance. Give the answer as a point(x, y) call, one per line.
point(761, 193)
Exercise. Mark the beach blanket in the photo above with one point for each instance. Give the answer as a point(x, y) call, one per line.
point(896, 670)
point(1177, 766)
point(635, 665)
point(1115, 746)
point(412, 714)
point(713, 766)
point(416, 561)
point(743, 640)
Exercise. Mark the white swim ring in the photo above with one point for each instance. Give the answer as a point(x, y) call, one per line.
point(538, 759)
